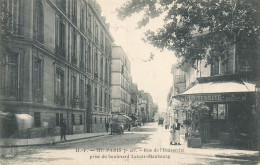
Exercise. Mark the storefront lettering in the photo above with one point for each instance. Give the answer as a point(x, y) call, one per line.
point(213, 97)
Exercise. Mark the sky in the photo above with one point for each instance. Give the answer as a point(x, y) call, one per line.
point(152, 76)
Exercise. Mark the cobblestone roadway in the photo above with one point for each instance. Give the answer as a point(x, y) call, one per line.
point(131, 147)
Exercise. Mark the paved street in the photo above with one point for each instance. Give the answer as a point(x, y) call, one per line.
point(146, 144)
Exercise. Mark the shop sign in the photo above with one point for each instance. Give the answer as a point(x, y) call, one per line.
point(214, 97)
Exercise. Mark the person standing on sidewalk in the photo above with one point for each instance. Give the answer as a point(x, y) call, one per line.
point(172, 131)
point(63, 130)
point(107, 126)
point(177, 132)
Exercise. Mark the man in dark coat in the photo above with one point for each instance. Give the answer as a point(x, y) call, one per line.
point(107, 126)
point(63, 130)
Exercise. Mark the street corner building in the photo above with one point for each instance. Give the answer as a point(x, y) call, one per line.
point(229, 90)
point(56, 64)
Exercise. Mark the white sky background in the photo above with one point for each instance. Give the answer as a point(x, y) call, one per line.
point(153, 76)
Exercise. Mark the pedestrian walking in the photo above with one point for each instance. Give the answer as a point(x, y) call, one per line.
point(177, 132)
point(63, 130)
point(129, 127)
point(172, 134)
point(107, 126)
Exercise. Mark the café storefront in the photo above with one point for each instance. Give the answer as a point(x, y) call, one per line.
point(232, 108)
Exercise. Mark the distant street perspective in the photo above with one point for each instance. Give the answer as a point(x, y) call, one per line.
point(145, 144)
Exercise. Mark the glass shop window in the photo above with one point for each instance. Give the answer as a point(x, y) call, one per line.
point(220, 111)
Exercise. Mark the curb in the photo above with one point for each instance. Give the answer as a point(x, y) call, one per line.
point(52, 143)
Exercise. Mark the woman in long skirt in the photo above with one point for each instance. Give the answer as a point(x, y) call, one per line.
point(177, 132)
point(172, 134)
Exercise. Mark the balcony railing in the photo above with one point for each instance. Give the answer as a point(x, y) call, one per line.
point(74, 19)
point(89, 32)
point(102, 47)
point(60, 51)
point(81, 103)
point(38, 95)
point(74, 60)
point(59, 100)
point(81, 66)
point(96, 75)
point(62, 5)
point(96, 40)
point(38, 36)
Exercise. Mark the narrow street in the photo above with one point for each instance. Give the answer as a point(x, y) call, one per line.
point(146, 144)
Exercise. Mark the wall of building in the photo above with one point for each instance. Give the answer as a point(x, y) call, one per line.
point(30, 49)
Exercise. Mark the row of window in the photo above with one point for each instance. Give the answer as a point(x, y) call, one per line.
point(103, 98)
point(86, 22)
point(219, 112)
point(60, 117)
point(101, 120)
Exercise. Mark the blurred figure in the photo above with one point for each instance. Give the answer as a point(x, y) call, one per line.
point(107, 126)
point(63, 130)
point(177, 132)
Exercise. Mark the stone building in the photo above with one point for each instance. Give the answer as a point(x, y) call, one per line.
point(228, 89)
point(120, 81)
point(56, 64)
point(178, 86)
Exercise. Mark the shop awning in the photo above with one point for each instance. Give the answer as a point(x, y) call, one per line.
point(121, 117)
point(218, 91)
point(220, 87)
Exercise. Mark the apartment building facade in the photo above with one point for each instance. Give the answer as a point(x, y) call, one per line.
point(120, 81)
point(56, 64)
point(228, 89)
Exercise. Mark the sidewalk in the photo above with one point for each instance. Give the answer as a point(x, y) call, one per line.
point(47, 140)
point(213, 150)
point(50, 140)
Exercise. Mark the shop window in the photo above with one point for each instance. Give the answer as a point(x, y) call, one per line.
point(100, 119)
point(37, 119)
point(220, 111)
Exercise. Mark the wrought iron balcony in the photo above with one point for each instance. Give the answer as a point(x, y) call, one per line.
point(74, 59)
point(96, 75)
point(82, 65)
point(38, 36)
point(59, 100)
point(89, 32)
point(62, 5)
point(38, 95)
point(74, 19)
point(60, 51)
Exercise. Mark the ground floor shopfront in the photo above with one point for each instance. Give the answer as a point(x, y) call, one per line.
point(46, 119)
point(232, 115)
